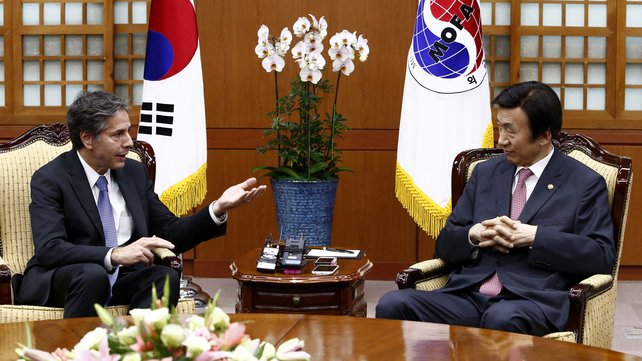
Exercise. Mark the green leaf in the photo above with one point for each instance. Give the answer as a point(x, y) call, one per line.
point(317, 167)
point(104, 316)
point(153, 306)
point(166, 292)
point(343, 169)
point(256, 169)
point(287, 171)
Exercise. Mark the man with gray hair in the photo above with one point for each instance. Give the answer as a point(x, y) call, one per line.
point(95, 218)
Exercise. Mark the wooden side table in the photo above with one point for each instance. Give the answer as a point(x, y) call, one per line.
point(339, 294)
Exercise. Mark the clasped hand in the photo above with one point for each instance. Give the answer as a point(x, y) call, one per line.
point(503, 234)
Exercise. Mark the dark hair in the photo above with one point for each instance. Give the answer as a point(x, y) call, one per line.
point(90, 111)
point(540, 103)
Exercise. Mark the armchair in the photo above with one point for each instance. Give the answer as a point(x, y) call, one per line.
point(592, 310)
point(19, 159)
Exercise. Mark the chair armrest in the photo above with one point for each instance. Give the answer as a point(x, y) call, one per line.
point(421, 272)
point(5, 283)
point(588, 297)
point(167, 258)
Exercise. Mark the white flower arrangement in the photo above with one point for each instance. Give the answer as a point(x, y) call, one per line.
point(158, 334)
point(305, 140)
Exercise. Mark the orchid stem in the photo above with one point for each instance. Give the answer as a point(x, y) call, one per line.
point(308, 128)
point(334, 115)
point(278, 131)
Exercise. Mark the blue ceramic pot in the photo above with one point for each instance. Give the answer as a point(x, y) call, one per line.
point(305, 209)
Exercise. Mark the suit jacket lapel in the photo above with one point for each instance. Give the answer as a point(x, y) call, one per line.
point(80, 186)
point(132, 200)
point(546, 186)
point(503, 185)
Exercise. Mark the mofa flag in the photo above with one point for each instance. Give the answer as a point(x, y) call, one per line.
point(446, 106)
point(172, 115)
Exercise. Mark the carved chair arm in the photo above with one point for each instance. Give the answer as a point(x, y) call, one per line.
point(5, 283)
point(421, 272)
point(167, 258)
point(594, 289)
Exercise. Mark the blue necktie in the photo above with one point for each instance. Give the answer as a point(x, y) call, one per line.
point(109, 226)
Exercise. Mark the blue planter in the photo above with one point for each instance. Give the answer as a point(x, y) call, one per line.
point(305, 209)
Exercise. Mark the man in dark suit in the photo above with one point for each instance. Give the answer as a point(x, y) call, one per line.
point(518, 240)
point(74, 265)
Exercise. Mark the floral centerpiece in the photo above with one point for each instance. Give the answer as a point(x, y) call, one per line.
point(159, 334)
point(303, 138)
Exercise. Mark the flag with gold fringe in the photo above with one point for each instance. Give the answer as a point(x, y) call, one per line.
point(172, 115)
point(446, 107)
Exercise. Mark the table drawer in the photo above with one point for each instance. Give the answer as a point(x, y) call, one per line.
point(320, 299)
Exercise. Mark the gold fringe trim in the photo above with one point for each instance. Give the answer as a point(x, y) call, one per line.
point(489, 137)
point(187, 193)
point(429, 215)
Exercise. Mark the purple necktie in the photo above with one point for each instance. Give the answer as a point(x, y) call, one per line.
point(109, 226)
point(492, 286)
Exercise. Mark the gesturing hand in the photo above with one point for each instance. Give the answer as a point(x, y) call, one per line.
point(138, 252)
point(238, 195)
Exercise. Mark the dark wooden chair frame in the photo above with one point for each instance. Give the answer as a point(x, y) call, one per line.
point(580, 293)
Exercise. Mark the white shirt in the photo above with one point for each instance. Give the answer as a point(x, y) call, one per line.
point(122, 218)
point(537, 169)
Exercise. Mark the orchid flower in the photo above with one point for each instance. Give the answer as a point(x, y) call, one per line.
point(362, 47)
point(299, 50)
point(301, 26)
point(316, 61)
point(344, 38)
point(263, 50)
point(263, 33)
point(321, 26)
point(263, 45)
point(346, 67)
point(286, 37)
point(273, 62)
point(341, 53)
point(310, 75)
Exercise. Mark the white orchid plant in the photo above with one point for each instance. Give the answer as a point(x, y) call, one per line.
point(303, 138)
point(159, 334)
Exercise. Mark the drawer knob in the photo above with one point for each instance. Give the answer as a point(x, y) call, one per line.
point(296, 300)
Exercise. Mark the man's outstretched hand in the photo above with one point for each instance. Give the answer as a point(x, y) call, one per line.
point(238, 195)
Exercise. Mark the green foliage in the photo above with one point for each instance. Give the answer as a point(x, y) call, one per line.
point(303, 138)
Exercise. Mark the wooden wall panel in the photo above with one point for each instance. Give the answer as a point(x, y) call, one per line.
point(239, 92)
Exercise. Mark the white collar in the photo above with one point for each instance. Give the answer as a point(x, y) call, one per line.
point(92, 175)
point(538, 167)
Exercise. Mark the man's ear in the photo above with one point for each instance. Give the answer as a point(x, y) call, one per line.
point(87, 139)
point(545, 138)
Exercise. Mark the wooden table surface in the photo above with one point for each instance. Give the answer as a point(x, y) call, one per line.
point(348, 338)
point(244, 269)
